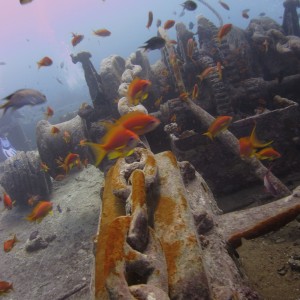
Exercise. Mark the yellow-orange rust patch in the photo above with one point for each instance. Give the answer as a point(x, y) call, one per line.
point(165, 211)
point(172, 253)
point(110, 250)
point(171, 157)
point(138, 189)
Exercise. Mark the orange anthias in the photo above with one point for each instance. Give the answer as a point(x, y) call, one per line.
point(8, 203)
point(137, 90)
point(69, 162)
point(45, 62)
point(5, 287)
point(40, 211)
point(102, 32)
point(138, 122)
point(220, 124)
point(268, 153)
point(77, 38)
point(9, 244)
point(224, 30)
point(169, 24)
point(117, 142)
point(248, 145)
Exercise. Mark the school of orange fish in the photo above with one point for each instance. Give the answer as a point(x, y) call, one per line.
point(123, 135)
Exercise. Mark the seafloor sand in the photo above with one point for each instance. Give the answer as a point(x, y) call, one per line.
point(64, 267)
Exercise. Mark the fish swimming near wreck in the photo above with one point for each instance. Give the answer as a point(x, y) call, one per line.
point(23, 97)
point(137, 90)
point(154, 43)
point(220, 124)
point(9, 244)
point(5, 287)
point(40, 211)
point(117, 142)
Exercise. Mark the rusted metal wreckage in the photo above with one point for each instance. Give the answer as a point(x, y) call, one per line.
point(161, 234)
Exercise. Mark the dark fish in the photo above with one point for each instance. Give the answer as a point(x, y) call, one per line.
point(2, 63)
point(155, 42)
point(58, 208)
point(150, 19)
point(189, 5)
point(224, 5)
point(58, 80)
point(62, 65)
point(23, 97)
point(158, 22)
point(25, 1)
point(33, 235)
point(262, 14)
point(191, 25)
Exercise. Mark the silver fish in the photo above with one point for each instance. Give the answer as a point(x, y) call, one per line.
point(270, 188)
point(23, 97)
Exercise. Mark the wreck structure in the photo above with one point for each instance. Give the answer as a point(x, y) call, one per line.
point(161, 233)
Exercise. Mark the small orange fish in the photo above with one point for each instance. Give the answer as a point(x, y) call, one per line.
point(223, 31)
point(150, 19)
point(67, 136)
point(82, 143)
point(220, 124)
point(44, 167)
point(8, 203)
point(268, 153)
point(41, 210)
point(195, 92)
point(102, 32)
point(184, 96)
point(190, 48)
point(172, 42)
point(157, 102)
point(77, 38)
point(169, 24)
point(5, 287)
point(138, 122)
point(248, 145)
point(9, 244)
point(205, 73)
point(45, 62)
point(54, 130)
point(85, 162)
point(69, 162)
point(173, 118)
point(226, 6)
point(137, 90)
point(33, 200)
point(117, 142)
point(49, 112)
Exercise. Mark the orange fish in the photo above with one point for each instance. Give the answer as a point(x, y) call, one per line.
point(117, 142)
point(150, 19)
point(268, 153)
point(220, 124)
point(157, 102)
point(67, 136)
point(172, 42)
point(33, 200)
point(8, 203)
point(224, 30)
point(77, 38)
point(69, 162)
point(248, 145)
point(169, 24)
point(41, 210)
point(45, 62)
point(195, 92)
point(205, 73)
point(44, 167)
point(184, 96)
point(190, 48)
point(5, 287)
point(9, 244)
point(137, 90)
point(60, 177)
point(138, 122)
point(82, 143)
point(102, 32)
point(54, 130)
point(49, 112)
